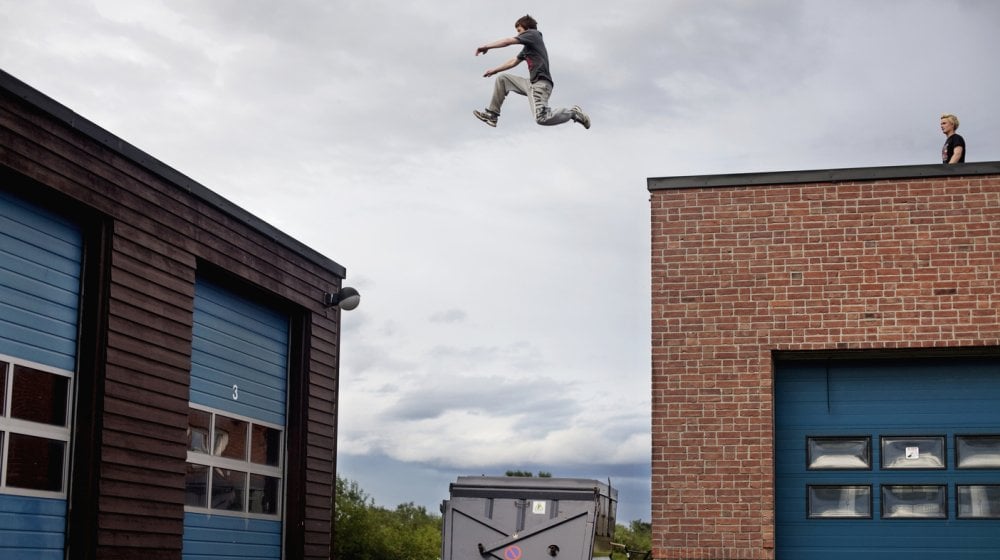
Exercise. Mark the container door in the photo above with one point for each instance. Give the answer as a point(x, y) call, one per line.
point(40, 264)
point(236, 427)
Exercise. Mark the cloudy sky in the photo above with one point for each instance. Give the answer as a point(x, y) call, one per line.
point(504, 272)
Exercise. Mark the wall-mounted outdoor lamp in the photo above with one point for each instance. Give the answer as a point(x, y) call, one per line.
point(347, 299)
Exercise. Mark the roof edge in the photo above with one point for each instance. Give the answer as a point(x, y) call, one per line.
point(65, 115)
point(823, 176)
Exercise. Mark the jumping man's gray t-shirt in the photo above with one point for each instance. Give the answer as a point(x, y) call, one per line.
point(535, 54)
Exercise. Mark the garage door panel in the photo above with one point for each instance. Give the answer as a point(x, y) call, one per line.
point(40, 272)
point(239, 376)
point(929, 398)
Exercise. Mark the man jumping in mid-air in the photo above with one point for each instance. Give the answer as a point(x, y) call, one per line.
point(538, 88)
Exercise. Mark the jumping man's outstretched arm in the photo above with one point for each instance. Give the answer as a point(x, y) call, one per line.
point(499, 43)
point(503, 67)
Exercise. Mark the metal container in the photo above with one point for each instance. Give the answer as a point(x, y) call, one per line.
point(522, 518)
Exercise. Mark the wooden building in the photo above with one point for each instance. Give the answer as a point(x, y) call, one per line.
point(168, 362)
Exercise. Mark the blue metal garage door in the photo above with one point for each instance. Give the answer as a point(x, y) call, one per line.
point(40, 258)
point(888, 460)
point(235, 474)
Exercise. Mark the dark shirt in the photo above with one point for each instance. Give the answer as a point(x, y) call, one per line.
point(535, 54)
point(948, 149)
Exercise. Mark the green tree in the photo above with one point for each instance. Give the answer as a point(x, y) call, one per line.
point(365, 531)
point(638, 536)
point(528, 474)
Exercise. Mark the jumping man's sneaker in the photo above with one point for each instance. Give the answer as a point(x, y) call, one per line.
point(581, 117)
point(487, 116)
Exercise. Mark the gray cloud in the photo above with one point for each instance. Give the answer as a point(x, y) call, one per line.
point(544, 401)
point(505, 272)
point(521, 356)
point(449, 316)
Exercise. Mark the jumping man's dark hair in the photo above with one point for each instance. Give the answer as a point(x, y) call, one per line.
point(527, 22)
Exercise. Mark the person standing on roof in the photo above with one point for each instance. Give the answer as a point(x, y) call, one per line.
point(538, 86)
point(953, 150)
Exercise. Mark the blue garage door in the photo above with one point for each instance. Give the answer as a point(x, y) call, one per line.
point(40, 259)
point(236, 426)
point(897, 460)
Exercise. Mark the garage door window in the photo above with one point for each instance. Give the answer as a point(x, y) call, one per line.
point(913, 452)
point(34, 429)
point(233, 464)
point(844, 502)
point(914, 502)
point(833, 453)
point(978, 501)
point(977, 452)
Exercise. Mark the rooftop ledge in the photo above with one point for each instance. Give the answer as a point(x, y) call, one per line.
point(823, 176)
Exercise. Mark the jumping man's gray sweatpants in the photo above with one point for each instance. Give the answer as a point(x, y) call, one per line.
point(538, 94)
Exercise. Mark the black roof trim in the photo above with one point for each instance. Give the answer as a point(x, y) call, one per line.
point(915, 353)
point(823, 176)
point(60, 112)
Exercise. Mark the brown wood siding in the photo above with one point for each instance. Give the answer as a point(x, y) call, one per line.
point(161, 235)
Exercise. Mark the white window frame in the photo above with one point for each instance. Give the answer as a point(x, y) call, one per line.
point(10, 425)
point(213, 462)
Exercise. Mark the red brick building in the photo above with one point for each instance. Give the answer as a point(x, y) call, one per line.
point(806, 326)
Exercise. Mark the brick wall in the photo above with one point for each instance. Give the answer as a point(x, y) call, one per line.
point(741, 271)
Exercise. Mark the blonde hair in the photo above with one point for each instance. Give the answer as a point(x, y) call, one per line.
point(952, 118)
